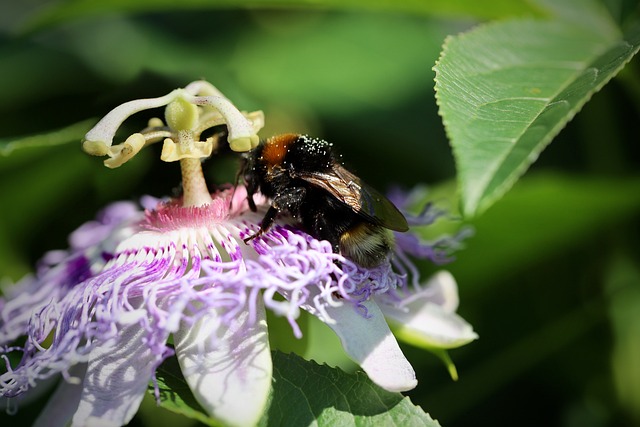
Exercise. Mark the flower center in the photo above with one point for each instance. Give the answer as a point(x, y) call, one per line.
point(176, 214)
point(188, 113)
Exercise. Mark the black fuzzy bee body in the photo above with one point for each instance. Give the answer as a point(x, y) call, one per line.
point(302, 176)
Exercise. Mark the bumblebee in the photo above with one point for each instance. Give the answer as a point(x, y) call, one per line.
point(302, 176)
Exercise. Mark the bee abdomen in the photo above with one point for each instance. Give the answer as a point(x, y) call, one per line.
point(366, 244)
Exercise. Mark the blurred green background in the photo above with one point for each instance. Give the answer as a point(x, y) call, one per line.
point(551, 279)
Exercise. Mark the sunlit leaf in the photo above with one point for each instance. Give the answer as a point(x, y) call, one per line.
point(306, 393)
point(506, 89)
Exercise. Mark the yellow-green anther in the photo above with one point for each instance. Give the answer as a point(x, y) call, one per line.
point(172, 152)
point(121, 153)
point(95, 148)
point(244, 144)
point(155, 122)
point(257, 120)
point(181, 115)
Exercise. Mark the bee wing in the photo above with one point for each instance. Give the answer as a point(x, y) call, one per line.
point(355, 193)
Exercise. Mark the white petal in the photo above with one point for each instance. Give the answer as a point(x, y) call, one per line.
point(431, 325)
point(428, 316)
point(369, 342)
point(444, 291)
point(116, 380)
point(230, 376)
point(64, 401)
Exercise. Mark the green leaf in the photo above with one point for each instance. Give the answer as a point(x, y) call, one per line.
point(64, 11)
point(306, 393)
point(506, 89)
point(71, 133)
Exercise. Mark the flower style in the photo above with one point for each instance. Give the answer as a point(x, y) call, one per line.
point(100, 313)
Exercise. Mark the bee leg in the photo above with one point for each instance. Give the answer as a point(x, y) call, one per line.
point(250, 185)
point(252, 203)
point(289, 201)
point(266, 223)
point(334, 276)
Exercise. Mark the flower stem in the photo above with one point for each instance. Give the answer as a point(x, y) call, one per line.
point(194, 186)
